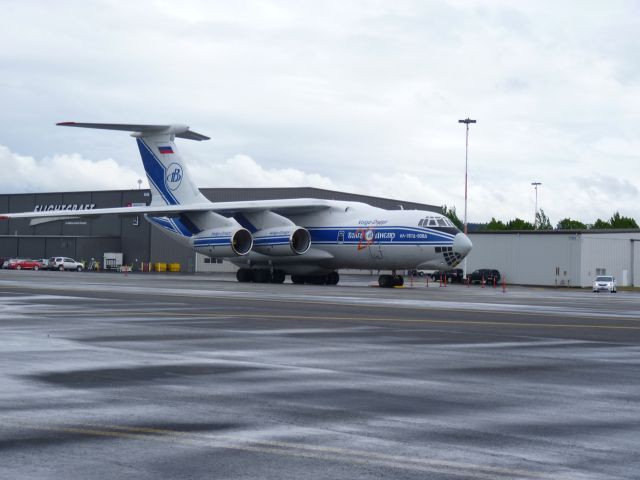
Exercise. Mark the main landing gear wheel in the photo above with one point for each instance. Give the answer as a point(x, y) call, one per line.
point(390, 281)
point(330, 279)
point(260, 275)
point(278, 276)
point(244, 275)
point(333, 278)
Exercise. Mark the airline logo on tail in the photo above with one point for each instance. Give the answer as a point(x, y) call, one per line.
point(174, 176)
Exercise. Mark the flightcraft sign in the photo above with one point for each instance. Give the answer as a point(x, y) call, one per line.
point(64, 207)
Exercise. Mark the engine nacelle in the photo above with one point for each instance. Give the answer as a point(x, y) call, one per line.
point(282, 241)
point(224, 242)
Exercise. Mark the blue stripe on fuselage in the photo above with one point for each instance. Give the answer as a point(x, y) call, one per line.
point(388, 235)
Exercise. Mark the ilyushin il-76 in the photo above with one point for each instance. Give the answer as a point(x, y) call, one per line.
point(308, 239)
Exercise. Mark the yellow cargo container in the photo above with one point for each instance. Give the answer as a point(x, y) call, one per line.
point(160, 267)
point(174, 267)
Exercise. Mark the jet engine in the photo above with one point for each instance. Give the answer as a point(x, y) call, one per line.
point(223, 242)
point(282, 241)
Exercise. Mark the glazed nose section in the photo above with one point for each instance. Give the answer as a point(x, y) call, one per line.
point(462, 245)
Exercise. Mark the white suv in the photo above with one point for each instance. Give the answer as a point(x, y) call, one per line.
point(606, 283)
point(65, 263)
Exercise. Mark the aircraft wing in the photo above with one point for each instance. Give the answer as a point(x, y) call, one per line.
point(284, 207)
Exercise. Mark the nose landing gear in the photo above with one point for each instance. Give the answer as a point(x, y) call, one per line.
point(390, 281)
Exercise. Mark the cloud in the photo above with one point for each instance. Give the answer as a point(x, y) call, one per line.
point(361, 96)
point(67, 172)
point(242, 171)
point(587, 197)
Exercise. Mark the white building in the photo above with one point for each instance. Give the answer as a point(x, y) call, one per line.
point(562, 258)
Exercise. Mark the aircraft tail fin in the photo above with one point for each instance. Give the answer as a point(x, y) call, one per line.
point(168, 176)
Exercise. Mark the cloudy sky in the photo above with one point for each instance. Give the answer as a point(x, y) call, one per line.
point(360, 96)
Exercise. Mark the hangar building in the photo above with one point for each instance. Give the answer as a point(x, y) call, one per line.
point(84, 239)
point(569, 258)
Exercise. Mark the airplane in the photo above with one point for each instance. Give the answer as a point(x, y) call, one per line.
point(308, 239)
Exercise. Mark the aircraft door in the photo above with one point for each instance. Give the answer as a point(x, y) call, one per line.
point(376, 251)
point(340, 237)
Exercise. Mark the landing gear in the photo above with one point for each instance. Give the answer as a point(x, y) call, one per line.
point(390, 281)
point(264, 275)
point(244, 275)
point(330, 279)
point(260, 275)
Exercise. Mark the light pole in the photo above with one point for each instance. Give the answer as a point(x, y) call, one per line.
point(535, 217)
point(466, 164)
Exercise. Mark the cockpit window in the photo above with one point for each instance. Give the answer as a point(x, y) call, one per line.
point(435, 222)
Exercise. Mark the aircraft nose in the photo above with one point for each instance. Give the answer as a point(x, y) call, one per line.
point(461, 244)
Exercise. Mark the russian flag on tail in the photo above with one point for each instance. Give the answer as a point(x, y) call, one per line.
point(165, 150)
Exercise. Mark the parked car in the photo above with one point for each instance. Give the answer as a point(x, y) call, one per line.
point(454, 275)
point(25, 264)
point(487, 274)
point(9, 262)
point(605, 283)
point(45, 263)
point(65, 263)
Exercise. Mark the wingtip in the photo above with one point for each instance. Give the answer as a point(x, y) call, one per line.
point(65, 124)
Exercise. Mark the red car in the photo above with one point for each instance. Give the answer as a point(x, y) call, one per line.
point(22, 264)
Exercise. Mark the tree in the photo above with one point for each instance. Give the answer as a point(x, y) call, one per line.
point(570, 224)
point(542, 221)
point(600, 225)
point(617, 221)
point(495, 225)
point(519, 224)
point(451, 214)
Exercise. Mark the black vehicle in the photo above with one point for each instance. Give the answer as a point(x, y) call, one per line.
point(489, 276)
point(455, 275)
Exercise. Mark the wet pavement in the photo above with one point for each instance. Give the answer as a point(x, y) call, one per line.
point(196, 376)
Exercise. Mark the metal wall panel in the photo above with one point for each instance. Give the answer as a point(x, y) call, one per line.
point(635, 262)
point(49, 228)
point(81, 226)
point(611, 252)
point(106, 224)
point(136, 231)
point(21, 203)
point(8, 247)
point(60, 247)
point(166, 249)
point(88, 248)
point(34, 247)
point(4, 208)
point(531, 259)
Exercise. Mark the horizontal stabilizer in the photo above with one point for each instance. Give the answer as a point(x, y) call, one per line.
point(180, 131)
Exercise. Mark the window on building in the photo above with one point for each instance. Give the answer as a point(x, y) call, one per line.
point(601, 271)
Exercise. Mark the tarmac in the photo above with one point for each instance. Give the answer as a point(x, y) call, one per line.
point(147, 376)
